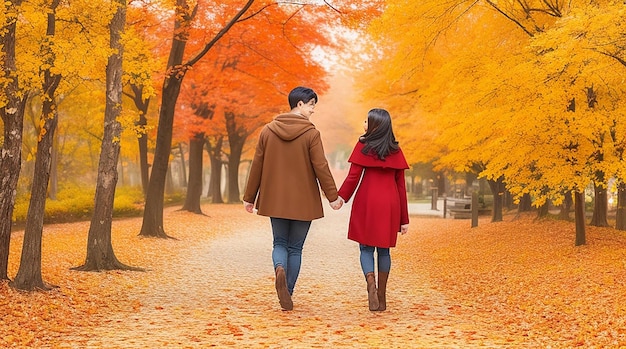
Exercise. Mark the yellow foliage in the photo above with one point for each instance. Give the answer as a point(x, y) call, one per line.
point(489, 91)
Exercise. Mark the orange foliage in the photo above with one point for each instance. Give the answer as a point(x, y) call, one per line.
point(517, 283)
point(250, 71)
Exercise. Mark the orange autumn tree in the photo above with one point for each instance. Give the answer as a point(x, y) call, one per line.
point(244, 82)
point(178, 66)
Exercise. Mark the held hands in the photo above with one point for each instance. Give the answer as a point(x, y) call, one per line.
point(404, 228)
point(248, 206)
point(337, 203)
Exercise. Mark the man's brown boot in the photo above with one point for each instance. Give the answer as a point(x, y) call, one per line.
point(382, 290)
point(372, 296)
point(281, 289)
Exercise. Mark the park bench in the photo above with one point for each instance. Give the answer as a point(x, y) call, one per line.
point(461, 208)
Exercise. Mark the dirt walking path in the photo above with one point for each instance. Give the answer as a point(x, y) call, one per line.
point(217, 291)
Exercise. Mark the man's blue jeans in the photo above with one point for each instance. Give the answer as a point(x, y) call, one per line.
point(289, 236)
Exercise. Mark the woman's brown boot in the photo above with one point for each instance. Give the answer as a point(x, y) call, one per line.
point(372, 296)
point(281, 289)
point(382, 290)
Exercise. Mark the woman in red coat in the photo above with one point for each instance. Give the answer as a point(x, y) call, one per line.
point(379, 210)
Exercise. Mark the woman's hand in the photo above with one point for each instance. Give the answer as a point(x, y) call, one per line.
point(404, 228)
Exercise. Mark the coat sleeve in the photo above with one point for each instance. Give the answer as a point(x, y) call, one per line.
point(254, 177)
point(404, 208)
point(321, 168)
point(351, 182)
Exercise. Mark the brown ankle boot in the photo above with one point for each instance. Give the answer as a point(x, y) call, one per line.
point(281, 289)
point(382, 290)
point(372, 296)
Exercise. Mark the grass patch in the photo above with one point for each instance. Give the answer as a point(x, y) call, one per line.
point(77, 204)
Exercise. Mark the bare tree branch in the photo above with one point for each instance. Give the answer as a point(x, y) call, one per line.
point(219, 35)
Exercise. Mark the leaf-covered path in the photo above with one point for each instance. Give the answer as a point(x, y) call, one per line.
point(514, 284)
point(219, 292)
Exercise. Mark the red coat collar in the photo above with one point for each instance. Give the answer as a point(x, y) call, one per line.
point(394, 160)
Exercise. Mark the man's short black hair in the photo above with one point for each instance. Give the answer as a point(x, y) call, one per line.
point(303, 94)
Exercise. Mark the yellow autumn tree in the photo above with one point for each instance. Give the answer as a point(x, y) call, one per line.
point(575, 110)
point(481, 73)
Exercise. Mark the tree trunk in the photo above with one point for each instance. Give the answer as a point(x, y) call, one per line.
point(441, 183)
point(54, 163)
point(153, 212)
point(233, 172)
point(29, 276)
point(600, 207)
point(566, 206)
point(620, 215)
point(169, 181)
point(543, 211)
point(100, 255)
point(236, 140)
point(142, 106)
point(13, 125)
point(194, 186)
point(525, 203)
point(183, 167)
point(497, 190)
point(143, 158)
point(470, 177)
point(579, 213)
point(215, 180)
point(508, 200)
point(620, 218)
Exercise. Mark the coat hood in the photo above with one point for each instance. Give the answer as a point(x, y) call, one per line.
point(290, 126)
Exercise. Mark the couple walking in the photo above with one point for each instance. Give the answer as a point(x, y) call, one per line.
point(288, 164)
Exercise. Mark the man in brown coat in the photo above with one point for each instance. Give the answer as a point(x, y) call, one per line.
point(288, 164)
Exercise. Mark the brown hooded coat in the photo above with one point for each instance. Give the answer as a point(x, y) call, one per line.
point(288, 163)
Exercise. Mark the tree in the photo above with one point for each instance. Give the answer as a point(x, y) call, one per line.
point(143, 57)
point(502, 102)
point(12, 104)
point(214, 148)
point(100, 255)
point(153, 215)
point(29, 276)
point(197, 113)
point(176, 70)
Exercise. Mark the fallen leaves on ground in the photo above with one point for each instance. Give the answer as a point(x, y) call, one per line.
point(517, 283)
point(525, 278)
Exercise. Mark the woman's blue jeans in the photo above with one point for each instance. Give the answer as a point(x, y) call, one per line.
point(367, 259)
point(289, 236)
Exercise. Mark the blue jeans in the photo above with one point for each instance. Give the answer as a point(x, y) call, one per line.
point(367, 259)
point(289, 236)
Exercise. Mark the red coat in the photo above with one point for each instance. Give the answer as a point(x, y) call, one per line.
point(380, 204)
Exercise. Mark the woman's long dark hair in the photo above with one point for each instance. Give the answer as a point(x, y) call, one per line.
point(379, 138)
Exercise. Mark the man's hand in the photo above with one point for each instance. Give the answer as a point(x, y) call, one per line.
point(337, 203)
point(248, 206)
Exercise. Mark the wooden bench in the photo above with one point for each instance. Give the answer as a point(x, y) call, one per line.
point(461, 208)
